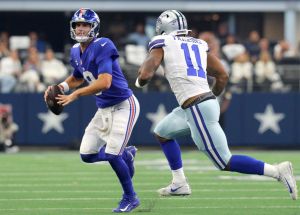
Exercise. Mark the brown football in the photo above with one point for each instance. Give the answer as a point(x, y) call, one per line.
point(52, 102)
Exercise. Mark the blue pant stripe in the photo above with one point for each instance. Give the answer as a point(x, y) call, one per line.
point(203, 138)
point(209, 137)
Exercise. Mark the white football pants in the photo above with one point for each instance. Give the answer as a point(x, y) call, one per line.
point(111, 126)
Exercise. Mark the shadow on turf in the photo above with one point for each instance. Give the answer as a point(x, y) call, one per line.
point(148, 206)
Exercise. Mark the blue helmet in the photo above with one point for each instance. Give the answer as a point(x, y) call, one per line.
point(88, 16)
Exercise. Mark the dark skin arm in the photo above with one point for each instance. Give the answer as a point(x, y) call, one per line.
point(150, 65)
point(216, 69)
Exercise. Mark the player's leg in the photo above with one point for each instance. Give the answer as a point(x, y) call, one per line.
point(132, 107)
point(92, 147)
point(124, 117)
point(93, 144)
point(210, 138)
point(172, 126)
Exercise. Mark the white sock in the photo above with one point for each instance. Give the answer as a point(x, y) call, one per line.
point(178, 176)
point(271, 171)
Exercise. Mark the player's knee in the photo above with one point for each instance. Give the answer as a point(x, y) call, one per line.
point(87, 158)
point(160, 139)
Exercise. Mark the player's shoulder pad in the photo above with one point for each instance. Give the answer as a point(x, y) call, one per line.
point(74, 49)
point(76, 45)
point(103, 44)
point(157, 42)
point(103, 41)
point(103, 48)
point(204, 44)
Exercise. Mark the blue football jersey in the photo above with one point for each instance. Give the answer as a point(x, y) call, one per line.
point(101, 56)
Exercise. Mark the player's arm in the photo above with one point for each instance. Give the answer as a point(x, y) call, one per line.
point(102, 83)
point(73, 82)
point(217, 70)
point(150, 65)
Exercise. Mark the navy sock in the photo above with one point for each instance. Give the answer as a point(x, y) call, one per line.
point(122, 171)
point(172, 152)
point(125, 155)
point(247, 165)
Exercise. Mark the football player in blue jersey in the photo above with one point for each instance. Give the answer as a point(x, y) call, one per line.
point(95, 60)
point(187, 62)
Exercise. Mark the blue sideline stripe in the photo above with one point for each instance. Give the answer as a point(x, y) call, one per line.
point(201, 134)
point(209, 137)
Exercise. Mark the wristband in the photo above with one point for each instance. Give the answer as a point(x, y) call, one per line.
point(137, 84)
point(65, 86)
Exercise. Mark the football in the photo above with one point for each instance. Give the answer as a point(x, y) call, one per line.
point(52, 102)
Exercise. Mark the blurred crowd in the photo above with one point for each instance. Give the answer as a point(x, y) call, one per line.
point(28, 69)
point(252, 63)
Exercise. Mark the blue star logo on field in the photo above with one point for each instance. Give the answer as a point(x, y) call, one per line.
point(52, 121)
point(269, 120)
point(157, 116)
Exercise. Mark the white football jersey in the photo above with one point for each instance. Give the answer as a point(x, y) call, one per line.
point(185, 61)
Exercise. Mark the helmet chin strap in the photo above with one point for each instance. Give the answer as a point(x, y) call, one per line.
point(83, 39)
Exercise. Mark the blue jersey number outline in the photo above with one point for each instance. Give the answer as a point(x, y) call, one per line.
point(191, 70)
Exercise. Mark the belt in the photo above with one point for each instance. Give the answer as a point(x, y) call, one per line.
point(200, 98)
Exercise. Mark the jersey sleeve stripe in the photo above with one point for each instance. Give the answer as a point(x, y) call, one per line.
point(156, 44)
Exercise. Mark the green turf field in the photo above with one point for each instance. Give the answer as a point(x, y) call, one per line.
point(39, 183)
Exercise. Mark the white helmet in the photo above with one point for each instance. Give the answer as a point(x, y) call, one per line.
point(172, 22)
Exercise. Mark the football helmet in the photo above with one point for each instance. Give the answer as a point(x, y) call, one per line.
point(172, 22)
point(88, 16)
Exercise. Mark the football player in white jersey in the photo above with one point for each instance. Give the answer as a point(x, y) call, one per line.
point(187, 62)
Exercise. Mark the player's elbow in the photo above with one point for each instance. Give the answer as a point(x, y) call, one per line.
point(106, 85)
point(145, 75)
point(105, 82)
point(223, 76)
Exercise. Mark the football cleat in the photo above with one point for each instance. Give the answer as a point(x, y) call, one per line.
point(287, 177)
point(175, 190)
point(127, 204)
point(131, 151)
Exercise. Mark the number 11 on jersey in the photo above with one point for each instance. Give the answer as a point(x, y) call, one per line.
point(192, 69)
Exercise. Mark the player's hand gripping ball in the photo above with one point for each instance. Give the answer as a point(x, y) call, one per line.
point(51, 102)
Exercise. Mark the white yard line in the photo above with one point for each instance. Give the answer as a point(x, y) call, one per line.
point(100, 184)
point(160, 198)
point(161, 208)
point(140, 191)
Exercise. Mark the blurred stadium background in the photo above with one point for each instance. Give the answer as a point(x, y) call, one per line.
point(258, 42)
